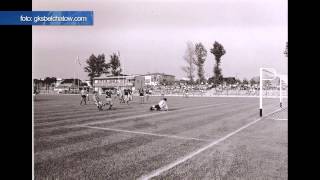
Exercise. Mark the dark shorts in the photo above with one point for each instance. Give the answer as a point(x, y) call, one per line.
point(141, 94)
point(157, 107)
point(83, 96)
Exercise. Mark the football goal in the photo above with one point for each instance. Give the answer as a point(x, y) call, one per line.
point(272, 85)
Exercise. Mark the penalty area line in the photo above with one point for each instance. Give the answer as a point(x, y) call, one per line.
point(280, 119)
point(143, 133)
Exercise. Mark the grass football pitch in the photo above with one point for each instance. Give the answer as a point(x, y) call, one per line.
point(199, 138)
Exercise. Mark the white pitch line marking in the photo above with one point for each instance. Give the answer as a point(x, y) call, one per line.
point(189, 156)
point(280, 119)
point(149, 114)
point(132, 117)
point(144, 133)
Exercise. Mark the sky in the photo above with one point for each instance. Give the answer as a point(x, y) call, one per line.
point(152, 36)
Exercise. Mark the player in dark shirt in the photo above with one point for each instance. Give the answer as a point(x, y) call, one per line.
point(126, 96)
point(148, 93)
point(109, 99)
point(141, 93)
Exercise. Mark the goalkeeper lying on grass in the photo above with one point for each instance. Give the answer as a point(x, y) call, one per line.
point(161, 106)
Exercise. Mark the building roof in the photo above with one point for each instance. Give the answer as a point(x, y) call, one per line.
point(130, 76)
point(163, 74)
point(122, 76)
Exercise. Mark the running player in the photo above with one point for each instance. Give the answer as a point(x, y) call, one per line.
point(186, 93)
point(119, 95)
point(87, 94)
point(161, 106)
point(83, 97)
point(141, 93)
point(126, 96)
point(109, 99)
point(130, 95)
point(115, 92)
point(162, 93)
point(97, 101)
point(147, 94)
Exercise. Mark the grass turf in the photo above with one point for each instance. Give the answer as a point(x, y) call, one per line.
point(65, 151)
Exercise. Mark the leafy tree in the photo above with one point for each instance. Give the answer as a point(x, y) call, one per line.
point(230, 80)
point(37, 82)
point(201, 54)
point(238, 81)
point(50, 80)
point(115, 64)
point(245, 81)
point(254, 80)
point(211, 80)
point(96, 66)
point(71, 81)
point(218, 51)
point(267, 84)
point(189, 57)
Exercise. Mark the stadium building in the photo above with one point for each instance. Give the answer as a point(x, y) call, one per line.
point(105, 82)
point(154, 79)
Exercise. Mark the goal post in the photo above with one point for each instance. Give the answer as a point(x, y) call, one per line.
point(265, 74)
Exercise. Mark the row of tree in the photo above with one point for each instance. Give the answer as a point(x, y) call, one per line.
point(195, 57)
point(45, 81)
point(97, 65)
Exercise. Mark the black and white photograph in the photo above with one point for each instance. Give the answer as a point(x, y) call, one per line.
point(160, 89)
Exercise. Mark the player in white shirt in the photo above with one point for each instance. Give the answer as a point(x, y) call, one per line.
point(83, 97)
point(161, 106)
point(87, 94)
point(97, 101)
